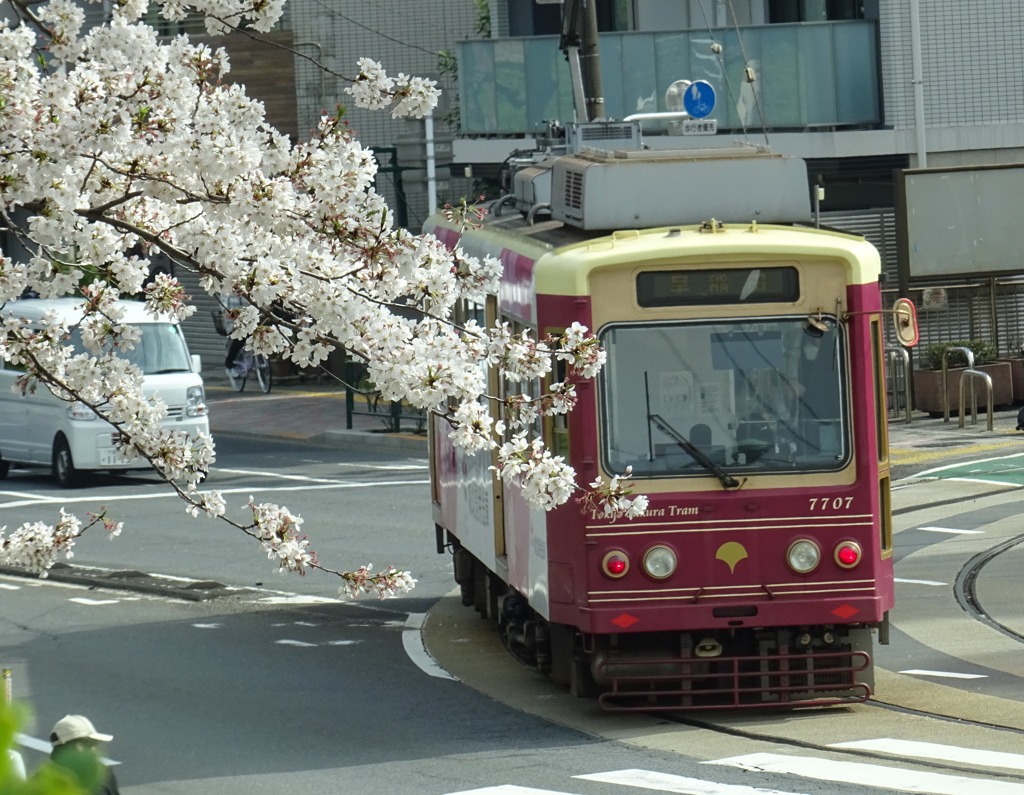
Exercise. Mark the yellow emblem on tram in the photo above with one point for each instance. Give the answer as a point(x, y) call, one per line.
point(732, 553)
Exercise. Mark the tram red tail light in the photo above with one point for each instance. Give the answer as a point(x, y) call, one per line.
point(848, 554)
point(615, 564)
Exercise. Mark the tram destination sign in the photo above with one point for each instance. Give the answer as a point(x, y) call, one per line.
point(717, 286)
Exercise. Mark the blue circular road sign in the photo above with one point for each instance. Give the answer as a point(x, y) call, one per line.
point(699, 99)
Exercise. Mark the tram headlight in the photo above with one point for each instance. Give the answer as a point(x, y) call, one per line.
point(615, 564)
point(803, 556)
point(660, 563)
point(848, 554)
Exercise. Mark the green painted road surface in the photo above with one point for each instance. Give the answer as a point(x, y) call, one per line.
point(1005, 470)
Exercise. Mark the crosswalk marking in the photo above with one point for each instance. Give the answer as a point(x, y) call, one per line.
point(870, 775)
point(888, 778)
point(665, 782)
point(950, 753)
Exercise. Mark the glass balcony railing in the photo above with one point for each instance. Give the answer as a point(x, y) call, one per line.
point(809, 75)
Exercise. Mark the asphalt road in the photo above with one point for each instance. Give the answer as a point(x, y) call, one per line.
point(254, 693)
point(358, 507)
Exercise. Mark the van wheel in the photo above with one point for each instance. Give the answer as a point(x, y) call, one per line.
point(64, 471)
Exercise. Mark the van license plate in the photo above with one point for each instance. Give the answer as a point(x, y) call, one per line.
point(112, 458)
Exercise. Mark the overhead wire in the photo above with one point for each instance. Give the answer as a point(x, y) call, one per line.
point(338, 14)
point(725, 72)
point(746, 64)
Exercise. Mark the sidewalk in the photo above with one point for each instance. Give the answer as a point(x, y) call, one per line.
point(302, 412)
point(315, 414)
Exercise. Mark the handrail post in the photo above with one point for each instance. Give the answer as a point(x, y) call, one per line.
point(971, 375)
point(945, 378)
point(891, 355)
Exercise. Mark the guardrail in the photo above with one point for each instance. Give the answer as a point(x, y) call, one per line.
point(361, 399)
point(970, 374)
point(391, 414)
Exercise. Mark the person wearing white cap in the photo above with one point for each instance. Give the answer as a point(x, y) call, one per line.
point(75, 742)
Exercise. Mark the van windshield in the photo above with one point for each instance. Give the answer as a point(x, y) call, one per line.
point(162, 349)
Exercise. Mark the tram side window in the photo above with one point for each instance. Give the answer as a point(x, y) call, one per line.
point(762, 395)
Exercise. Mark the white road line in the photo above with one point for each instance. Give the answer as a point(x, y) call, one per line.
point(387, 467)
point(8, 587)
point(919, 582)
point(953, 753)
point(665, 782)
point(943, 674)
point(990, 482)
point(412, 641)
point(258, 473)
point(508, 789)
point(206, 626)
point(83, 601)
point(978, 461)
point(343, 642)
point(294, 599)
point(888, 778)
point(107, 498)
point(289, 642)
point(952, 530)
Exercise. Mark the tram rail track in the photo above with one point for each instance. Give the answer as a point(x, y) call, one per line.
point(965, 585)
point(965, 593)
point(780, 739)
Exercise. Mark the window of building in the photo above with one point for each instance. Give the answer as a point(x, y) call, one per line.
point(815, 10)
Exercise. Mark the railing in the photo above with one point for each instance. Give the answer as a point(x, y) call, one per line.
point(897, 370)
point(392, 414)
point(970, 374)
point(809, 76)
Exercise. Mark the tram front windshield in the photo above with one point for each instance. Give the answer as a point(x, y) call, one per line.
point(762, 395)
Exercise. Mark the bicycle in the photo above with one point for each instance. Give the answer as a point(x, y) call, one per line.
point(246, 362)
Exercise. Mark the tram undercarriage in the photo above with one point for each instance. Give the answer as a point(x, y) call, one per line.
point(788, 667)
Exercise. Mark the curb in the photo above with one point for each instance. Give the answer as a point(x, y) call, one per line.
point(342, 440)
point(130, 580)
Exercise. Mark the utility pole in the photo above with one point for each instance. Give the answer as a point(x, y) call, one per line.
point(579, 32)
point(590, 62)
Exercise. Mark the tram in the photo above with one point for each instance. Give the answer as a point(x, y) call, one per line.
point(744, 388)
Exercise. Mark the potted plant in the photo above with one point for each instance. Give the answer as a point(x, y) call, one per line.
point(928, 377)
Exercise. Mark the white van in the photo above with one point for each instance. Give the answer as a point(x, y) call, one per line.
point(38, 428)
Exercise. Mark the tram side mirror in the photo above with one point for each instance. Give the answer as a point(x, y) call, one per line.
point(904, 318)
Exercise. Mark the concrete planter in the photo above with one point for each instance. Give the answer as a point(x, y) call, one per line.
point(1017, 373)
point(928, 388)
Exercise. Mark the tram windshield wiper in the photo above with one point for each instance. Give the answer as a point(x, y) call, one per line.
point(698, 455)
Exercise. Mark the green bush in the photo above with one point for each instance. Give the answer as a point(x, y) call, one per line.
point(983, 350)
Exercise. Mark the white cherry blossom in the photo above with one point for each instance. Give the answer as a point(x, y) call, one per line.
point(118, 146)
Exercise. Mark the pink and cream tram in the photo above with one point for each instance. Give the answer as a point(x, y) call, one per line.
point(744, 388)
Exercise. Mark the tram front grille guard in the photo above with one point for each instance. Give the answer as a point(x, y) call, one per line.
point(771, 680)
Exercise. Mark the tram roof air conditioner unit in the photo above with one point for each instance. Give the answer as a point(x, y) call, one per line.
point(532, 186)
point(645, 189)
point(602, 135)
